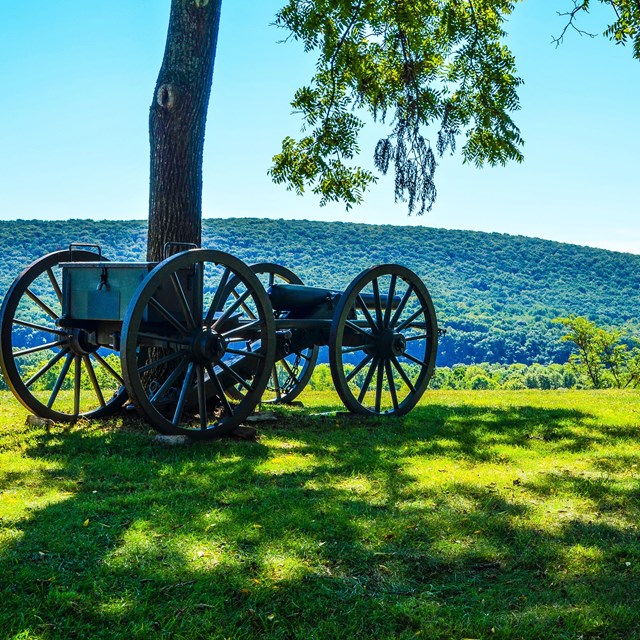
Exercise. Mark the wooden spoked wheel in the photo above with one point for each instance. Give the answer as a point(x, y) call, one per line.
point(55, 372)
point(290, 374)
point(383, 341)
point(210, 346)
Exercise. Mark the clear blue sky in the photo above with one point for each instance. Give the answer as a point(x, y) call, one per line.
point(77, 80)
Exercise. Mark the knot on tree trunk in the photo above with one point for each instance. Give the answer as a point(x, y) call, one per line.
point(166, 96)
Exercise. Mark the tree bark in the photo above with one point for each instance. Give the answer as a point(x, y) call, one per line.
point(177, 122)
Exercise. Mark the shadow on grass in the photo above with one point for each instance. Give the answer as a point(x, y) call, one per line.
point(322, 529)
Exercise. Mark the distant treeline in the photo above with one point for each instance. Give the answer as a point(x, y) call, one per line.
point(497, 295)
point(480, 377)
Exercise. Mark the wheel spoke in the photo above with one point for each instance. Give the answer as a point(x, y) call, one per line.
point(76, 385)
point(402, 373)
point(42, 347)
point(246, 309)
point(249, 354)
point(367, 380)
point(198, 290)
point(59, 380)
point(379, 381)
point(46, 367)
point(42, 305)
point(171, 378)
point(182, 299)
point(186, 386)
point(361, 347)
point(202, 397)
point(168, 316)
point(237, 332)
point(217, 298)
point(392, 385)
point(376, 300)
point(38, 327)
point(234, 375)
point(108, 367)
point(94, 380)
point(231, 309)
point(389, 305)
point(409, 320)
point(408, 356)
point(401, 306)
point(290, 371)
point(366, 313)
point(276, 382)
point(219, 390)
point(356, 328)
point(55, 285)
point(354, 372)
point(421, 336)
point(160, 361)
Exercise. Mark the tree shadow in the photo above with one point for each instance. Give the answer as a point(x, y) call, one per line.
point(321, 529)
point(477, 432)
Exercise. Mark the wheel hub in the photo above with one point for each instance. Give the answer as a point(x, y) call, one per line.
point(79, 342)
point(388, 343)
point(208, 346)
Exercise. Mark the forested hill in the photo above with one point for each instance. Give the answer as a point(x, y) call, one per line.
point(497, 295)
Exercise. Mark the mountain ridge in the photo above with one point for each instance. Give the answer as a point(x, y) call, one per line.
point(496, 294)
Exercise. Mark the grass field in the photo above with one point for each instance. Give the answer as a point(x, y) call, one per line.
point(479, 515)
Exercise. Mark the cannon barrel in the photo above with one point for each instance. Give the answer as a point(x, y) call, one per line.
point(296, 297)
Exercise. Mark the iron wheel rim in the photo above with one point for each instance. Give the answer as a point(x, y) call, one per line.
point(201, 370)
point(86, 366)
point(401, 343)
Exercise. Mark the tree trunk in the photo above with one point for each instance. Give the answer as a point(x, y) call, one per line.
point(177, 122)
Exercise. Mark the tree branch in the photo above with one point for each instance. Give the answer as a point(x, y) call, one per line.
point(578, 5)
point(332, 61)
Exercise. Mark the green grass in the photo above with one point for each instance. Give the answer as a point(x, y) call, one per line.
point(479, 515)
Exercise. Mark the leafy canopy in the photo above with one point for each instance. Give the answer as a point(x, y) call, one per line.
point(436, 70)
point(414, 63)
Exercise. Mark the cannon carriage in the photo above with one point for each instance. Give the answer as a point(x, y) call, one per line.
point(197, 341)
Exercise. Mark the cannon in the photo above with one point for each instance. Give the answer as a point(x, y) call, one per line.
point(197, 341)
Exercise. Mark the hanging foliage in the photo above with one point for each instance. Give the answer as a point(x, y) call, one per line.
point(428, 69)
